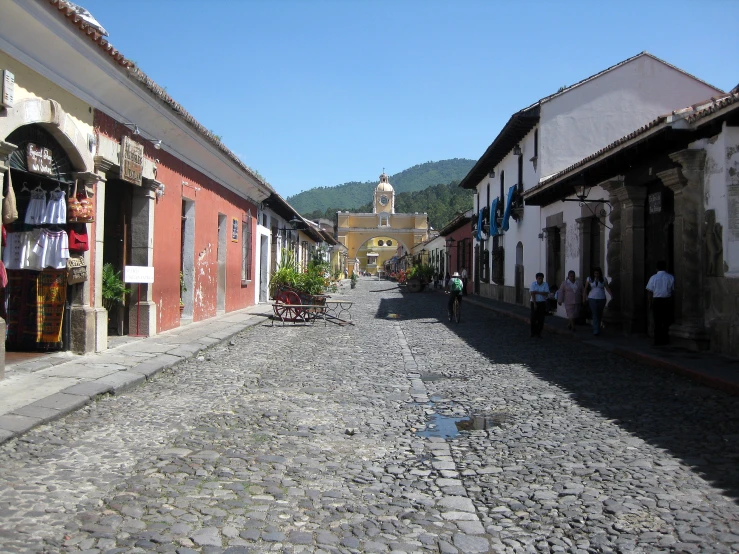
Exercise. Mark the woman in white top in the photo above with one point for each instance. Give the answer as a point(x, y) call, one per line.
point(595, 295)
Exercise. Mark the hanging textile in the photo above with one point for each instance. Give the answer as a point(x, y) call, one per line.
point(21, 313)
point(479, 225)
point(493, 217)
point(507, 213)
point(51, 296)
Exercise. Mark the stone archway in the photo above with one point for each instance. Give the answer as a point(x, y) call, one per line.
point(384, 244)
point(50, 115)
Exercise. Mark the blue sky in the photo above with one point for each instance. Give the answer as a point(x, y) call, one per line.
point(320, 92)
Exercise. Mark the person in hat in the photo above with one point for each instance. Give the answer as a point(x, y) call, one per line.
point(454, 287)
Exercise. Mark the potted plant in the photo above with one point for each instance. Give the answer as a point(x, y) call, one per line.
point(310, 285)
point(114, 289)
point(354, 280)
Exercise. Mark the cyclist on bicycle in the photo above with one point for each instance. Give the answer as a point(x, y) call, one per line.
point(455, 290)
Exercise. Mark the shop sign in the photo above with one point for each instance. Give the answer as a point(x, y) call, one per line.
point(39, 160)
point(132, 161)
point(8, 89)
point(655, 203)
point(138, 274)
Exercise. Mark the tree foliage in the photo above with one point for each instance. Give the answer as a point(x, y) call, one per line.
point(354, 194)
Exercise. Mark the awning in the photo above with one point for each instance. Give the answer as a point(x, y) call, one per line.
point(493, 219)
point(507, 213)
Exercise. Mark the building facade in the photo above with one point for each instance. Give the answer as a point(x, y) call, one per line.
point(672, 191)
point(515, 241)
point(155, 191)
point(358, 230)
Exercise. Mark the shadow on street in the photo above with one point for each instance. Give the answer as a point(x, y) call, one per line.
point(696, 424)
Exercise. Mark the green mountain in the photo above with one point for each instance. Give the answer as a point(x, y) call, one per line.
point(352, 195)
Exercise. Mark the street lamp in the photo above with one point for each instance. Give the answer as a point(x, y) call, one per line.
point(582, 191)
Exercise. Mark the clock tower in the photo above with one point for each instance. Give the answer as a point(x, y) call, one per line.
point(384, 196)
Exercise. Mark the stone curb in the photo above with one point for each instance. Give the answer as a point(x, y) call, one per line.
point(73, 398)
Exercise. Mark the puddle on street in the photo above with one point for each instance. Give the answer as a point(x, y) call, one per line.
point(448, 427)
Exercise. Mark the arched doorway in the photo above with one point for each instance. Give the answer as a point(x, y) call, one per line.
point(375, 252)
point(39, 296)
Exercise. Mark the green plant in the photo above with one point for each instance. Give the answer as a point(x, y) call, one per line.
point(114, 289)
point(421, 271)
point(354, 278)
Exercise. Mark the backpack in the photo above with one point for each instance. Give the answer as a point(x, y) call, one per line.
point(456, 284)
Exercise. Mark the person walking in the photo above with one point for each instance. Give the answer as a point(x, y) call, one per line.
point(660, 289)
point(464, 281)
point(539, 291)
point(595, 295)
point(570, 294)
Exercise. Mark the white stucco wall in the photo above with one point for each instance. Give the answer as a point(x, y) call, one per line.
point(722, 191)
point(606, 108)
point(527, 229)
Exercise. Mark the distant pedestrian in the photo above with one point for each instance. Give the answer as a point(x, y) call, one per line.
point(595, 295)
point(346, 273)
point(660, 289)
point(570, 294)
point(464, 281)
point(446, 280)
point(539, 291)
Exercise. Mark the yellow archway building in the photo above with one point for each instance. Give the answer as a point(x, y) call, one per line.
point(373, 238)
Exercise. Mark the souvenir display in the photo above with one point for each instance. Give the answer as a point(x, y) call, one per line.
point(36, 266)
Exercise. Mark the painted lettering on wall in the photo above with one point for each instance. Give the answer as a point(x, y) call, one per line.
point(39, 160)
point(132, 161)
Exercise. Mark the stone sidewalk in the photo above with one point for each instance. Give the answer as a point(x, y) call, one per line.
point(43, 389)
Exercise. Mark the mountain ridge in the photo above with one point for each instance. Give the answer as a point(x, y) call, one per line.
point(353, 194)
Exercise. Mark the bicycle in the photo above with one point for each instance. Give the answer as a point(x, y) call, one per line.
point(456, 311)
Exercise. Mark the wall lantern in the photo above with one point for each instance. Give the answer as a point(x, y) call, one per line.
point(517, 150)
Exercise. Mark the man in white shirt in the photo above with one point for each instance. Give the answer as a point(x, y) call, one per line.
point(660, 288)
point(539, 291)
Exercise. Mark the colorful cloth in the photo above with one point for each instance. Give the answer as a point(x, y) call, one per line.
point(51, 296)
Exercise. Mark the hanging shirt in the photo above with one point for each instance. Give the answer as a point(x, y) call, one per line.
point(19, 253)
point(36, 207)
point(53, 248)
point(56, 208)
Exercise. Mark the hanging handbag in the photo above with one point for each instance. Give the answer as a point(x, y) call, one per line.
point(76, 270)
point(10, 209)
point(80, 208)
point(78, 241)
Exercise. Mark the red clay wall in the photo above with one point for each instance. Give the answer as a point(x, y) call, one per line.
point(210, 199)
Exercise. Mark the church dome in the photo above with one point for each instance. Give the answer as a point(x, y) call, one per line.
point(384, 185)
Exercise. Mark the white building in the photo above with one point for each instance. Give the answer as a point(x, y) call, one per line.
point(545, 138)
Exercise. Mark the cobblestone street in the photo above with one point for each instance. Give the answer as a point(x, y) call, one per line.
point(313, 439)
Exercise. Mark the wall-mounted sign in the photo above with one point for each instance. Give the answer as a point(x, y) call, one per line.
point(655, 203)
point(39, 160)
point(234, 230)
point(138, 274)
point(132, 161)
point(7, 88)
